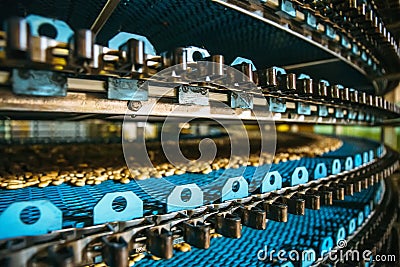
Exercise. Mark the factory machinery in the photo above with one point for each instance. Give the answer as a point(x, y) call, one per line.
point(198, 77)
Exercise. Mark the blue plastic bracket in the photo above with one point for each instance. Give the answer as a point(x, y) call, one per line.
point(367, 210)
point(11, 225)
point(177, 201)
point(360, 218)
point(288, 8)
point(103, 211)
point(330, 32)
point(361, 116)
point(277, 105)
point(365, 157)
point(352, 115)
point(345, 42)
point(341, 234)
point(348, 164)
point(320, 171)
point(299, 176)
point(241, 100)
point(322, 111)
point(325, 245)
point(64, 32)
point(39, 83)
point(371, 155)
point(339, 113)
point(311, 20)
point(357, 160)
point(336, 166)
point(303, 109)
point(233, 188)
point(272, 181)
point(352, 226)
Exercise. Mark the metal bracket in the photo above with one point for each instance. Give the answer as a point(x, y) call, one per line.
point(299, 176)
point(11, 225)
point(320, 171)
point(126, 89)
point(357, 160)
point(38, 83)
point(272, 181)
point(277, 105)
point(193, 95)
point(303, 109)
point(184, 197)
point(234, 188)
point(241, 100)
point(103, 211)
point(336, 166)
point(348, 164)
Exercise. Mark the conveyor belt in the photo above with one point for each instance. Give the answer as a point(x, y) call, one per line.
point(77, 203)
point(300, 232)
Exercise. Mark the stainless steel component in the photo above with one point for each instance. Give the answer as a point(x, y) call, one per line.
point(345, 94)
point(363, 98)
point(219, 67)
point(287, 82)
point(247, 69)
point(18, 37)
point(334, 91)
point(305, 86)
point(135, 55)
point(83, 45)
point(354, 96)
